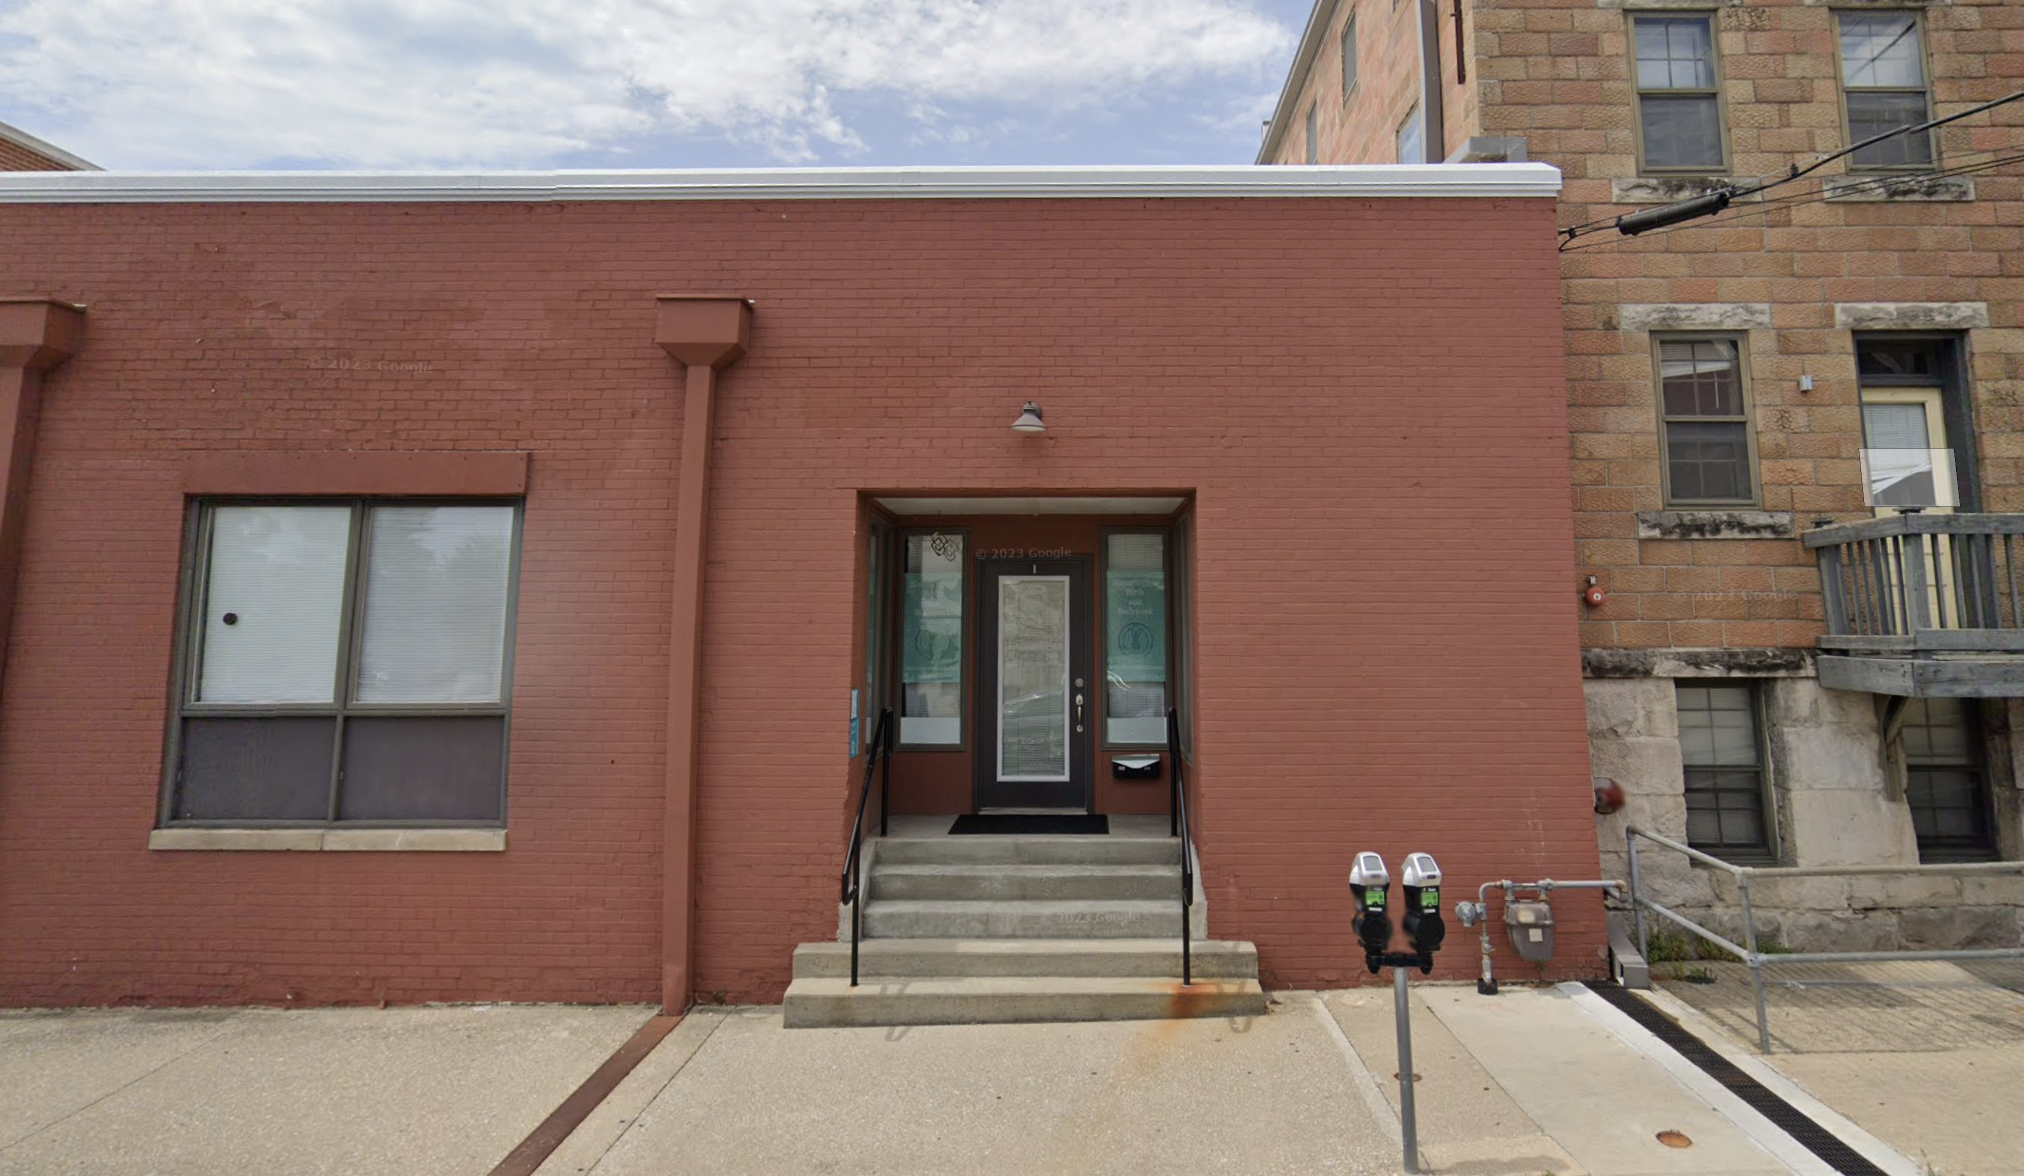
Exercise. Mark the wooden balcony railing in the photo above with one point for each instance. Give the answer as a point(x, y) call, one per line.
point(1922, 583)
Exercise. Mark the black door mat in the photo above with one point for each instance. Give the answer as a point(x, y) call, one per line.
point(1015, 824)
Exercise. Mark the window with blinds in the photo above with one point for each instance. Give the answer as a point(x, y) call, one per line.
point(345, 662)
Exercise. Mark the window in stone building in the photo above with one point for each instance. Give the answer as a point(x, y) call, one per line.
point(1704, 422)
point(1722, 751)
point(1408, 141)
point(1349, 55)
point(1314, 133)
point(344, 662)
point(1678, 93)
point(1946, 780)
point(1883, 87)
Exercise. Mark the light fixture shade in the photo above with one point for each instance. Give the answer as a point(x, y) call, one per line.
point(1029, 420)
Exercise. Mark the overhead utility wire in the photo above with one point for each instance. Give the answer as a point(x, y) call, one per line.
point(1631, 224)
point(1742, 212)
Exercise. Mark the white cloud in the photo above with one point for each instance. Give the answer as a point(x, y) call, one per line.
point(443, 83)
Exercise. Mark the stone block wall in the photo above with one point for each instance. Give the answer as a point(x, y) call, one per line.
point(1361, 126)
point(1832, 806)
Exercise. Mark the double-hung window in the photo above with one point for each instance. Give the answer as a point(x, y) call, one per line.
point(1946, 780)
point(1723, 755)
point(344, 661)
point(1679, 102)
point(1704, 422)
point(1883, 83)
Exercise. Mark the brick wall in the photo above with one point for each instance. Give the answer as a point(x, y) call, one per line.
point(1368, 413)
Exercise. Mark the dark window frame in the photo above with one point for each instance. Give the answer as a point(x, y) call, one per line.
point(1924, 91)
point(1714, 94)
point(1765, 852)
point(186, 663)
point(1980, 846)
point(1748, 418)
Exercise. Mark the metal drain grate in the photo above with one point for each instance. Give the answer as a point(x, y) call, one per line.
point(1810, 1135)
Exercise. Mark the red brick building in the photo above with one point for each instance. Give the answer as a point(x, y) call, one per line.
point(449, 588)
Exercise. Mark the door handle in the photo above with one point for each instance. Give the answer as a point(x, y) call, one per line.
point(1078, 713)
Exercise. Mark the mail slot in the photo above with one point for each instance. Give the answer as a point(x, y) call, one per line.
point(1135, 767)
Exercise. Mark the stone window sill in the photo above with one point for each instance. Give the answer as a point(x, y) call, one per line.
point(1871, 187)
point(332, 840)
point(1715, 524)
point(1667, 189)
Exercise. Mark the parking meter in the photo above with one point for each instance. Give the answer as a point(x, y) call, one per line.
point(1423, 926)
point(1370, 884)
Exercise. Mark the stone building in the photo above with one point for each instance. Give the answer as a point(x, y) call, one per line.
point(21, 151)
point(1747, 387)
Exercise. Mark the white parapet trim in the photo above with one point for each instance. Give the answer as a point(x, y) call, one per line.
point(896, 183)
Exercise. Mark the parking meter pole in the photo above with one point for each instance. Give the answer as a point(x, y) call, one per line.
point(1408, 1129)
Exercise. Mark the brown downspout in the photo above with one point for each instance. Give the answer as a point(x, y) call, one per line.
point(704, 335)
point(35, 336)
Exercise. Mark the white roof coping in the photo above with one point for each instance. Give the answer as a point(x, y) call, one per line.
point(893, 183)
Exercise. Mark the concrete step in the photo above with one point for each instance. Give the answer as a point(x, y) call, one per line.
point(1083, 919)
point(822, 1003)
point(997, 881)
point(1032, 851)
point(929, 959)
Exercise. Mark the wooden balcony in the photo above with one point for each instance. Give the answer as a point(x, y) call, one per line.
point(1923, 605)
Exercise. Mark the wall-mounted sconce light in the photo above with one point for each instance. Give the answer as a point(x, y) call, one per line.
point(1029, 420)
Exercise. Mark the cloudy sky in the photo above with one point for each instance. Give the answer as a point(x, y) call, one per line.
point(419, 84)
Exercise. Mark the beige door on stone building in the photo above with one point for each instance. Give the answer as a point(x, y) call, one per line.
point(1908, 462)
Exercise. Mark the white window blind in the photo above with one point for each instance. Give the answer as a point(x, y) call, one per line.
point(272, 604)
point(435, 604)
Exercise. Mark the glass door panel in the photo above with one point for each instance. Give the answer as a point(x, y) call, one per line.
point(1033, 708)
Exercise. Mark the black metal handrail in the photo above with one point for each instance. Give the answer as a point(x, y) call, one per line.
point(878, 753)
point(1179, 827)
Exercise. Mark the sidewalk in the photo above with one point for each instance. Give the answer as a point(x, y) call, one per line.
point(1523, 1084)
point(268, 1092)
point(1928, 1056)
point(1531, 1082)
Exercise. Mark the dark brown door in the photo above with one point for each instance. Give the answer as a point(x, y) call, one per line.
point(1035, 697)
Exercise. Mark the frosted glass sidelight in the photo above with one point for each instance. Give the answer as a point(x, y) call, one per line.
point(1033, 678)
point(435, 604)
point(931, 640)
point(273, 600)
point(1135, 638)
